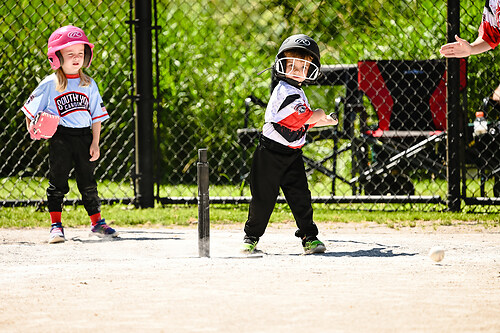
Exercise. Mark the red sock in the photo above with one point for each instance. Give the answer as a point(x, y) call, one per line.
point(95, 218)
point(55, 217)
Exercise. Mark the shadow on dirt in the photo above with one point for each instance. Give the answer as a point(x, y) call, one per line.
point(380, 250)
point(375, 252)
point(136, 236)
point(18, 243)
point(150, 232)
point(358, 242)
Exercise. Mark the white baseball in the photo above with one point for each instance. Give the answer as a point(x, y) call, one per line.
point(436, 253)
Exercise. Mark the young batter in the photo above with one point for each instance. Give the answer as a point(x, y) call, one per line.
point(74, 97)
point(277, 161)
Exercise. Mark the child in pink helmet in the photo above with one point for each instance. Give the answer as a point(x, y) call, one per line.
point(74, 97)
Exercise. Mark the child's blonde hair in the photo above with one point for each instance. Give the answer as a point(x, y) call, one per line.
point(62, 80)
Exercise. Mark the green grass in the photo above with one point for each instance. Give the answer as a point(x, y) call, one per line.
point(33, 188)
point(186, 215)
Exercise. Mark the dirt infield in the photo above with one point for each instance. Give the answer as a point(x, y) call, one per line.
point(372, 279)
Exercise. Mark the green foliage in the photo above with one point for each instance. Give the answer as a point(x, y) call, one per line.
point(211, 50)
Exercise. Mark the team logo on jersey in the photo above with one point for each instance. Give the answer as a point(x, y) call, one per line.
point(302, 41)
point(32, 97)
point(71, 102)
point(75, 34)
point(300, 108)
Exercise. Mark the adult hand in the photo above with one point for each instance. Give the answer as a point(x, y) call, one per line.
point(460, 49)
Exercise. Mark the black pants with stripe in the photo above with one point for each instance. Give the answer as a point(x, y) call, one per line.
point(276, 166)
point(68, 148)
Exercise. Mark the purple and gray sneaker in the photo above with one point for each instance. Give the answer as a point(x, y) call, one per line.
point(101, 229)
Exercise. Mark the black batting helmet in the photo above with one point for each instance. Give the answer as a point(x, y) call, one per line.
point(299, 42)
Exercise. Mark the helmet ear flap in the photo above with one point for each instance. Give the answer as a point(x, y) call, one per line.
point(60, 57)
point(87, 56)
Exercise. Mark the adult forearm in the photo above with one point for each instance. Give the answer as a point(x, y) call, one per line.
point(479, 46)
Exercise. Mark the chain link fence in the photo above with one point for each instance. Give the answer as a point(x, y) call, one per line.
point(208, 95)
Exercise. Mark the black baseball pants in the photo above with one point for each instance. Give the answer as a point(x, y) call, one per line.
point(68, 148)
point(276, 166)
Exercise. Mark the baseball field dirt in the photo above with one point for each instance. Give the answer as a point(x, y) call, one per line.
point(371, 279)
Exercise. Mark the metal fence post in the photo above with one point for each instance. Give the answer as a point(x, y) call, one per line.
point(454, 112)
point(144, 101)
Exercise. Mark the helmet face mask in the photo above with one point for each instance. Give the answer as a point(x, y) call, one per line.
point(309, 72)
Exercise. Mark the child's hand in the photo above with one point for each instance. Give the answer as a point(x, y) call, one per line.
point(332, 117)
point(94, 152)
point(320, 118)
point(460, 49)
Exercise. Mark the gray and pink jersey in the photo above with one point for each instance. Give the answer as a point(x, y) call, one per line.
point(78, 107)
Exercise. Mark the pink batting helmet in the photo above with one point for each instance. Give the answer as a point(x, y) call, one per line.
point(64, 37)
